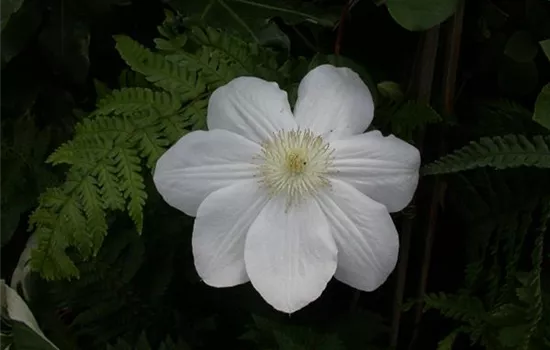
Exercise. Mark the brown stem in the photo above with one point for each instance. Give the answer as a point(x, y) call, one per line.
point(452, 54)
point(343, 16)
point(421, 88)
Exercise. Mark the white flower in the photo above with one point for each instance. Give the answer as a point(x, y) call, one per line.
point(285, 201)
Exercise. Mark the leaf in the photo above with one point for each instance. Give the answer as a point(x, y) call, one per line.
point(249, 17)
point(9, 7)
point(517, 78)
point(447, 342)
point(498, 152)
point(158, 69)
point(20, 29)
point(545, 45)
point(271, 35)
point(412, 116)
point(26, 338)
point(391, 90)
point(542, 107)
point(521, 47)
point(512, 336)
point(27, 334)
point(417, 15)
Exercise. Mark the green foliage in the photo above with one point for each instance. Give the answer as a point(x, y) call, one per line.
point(282, 337)
point(542, 107)
point(24, 175)
point(498, 152)
point(143, 344)
point(500, 306)
point(403, 118)
point(501, 117)
point(421, 14)
point(25, 338)
point(9, 7)
point(250, 18)
point(137, 287)
point(545, 46)
point(521, 47)
point(132, 126)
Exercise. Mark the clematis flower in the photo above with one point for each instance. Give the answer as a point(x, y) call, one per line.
point(288, 199)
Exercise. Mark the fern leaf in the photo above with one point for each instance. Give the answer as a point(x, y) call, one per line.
point(195, 112)
point(158, 70)
point(175, 126)
point(111, 196)
point(64, 154)
point(75, 226)
point(130, 125)
point(249, 59)
point(209, 64)
point(458, 307)
point(151, 141)
point(49, 257)
point(132, 185)
point(531, 292)
point(412, 116)
point(92, 204)
point(498, 152)
point(129, 100)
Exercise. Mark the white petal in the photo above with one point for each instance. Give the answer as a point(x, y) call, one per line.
point(200, 163)
point(334, 102)
point(251, 107)
point(290, 256)
point(21, 277)
point(18, 310)
point(223, 220)
point(367, 240)
point(383, 168)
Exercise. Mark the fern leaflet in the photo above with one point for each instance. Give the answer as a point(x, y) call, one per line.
point(498, 152)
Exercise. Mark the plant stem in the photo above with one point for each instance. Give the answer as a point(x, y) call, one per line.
point(452, 55)
point(420, 87)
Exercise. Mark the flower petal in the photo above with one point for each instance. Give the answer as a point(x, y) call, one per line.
point(223, 220)
point(21, 276)
point(251, 107)
point(384, 168)
point(200, 163)
point(16, 309)
point(290, 255)
point(334, 102)
point(366, 237)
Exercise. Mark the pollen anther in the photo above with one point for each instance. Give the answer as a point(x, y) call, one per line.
point(295, 164)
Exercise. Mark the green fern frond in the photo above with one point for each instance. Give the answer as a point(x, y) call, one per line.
point(458, 307)
point(93, 207)
point(213, 68)
point(129, 100)
point(531, 292)
point(111, 195)
point(412, 116)
point(105, 174)
point(132, 185)
point(249, 59)
point(125, 136)
point(158, 70)
point(195, 113)
point(498, 152)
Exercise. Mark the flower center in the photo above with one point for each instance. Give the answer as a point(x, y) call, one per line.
point(295, 164)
